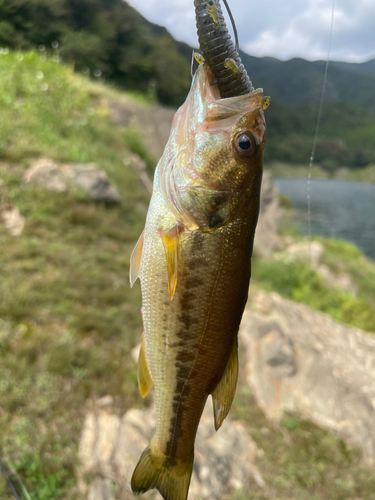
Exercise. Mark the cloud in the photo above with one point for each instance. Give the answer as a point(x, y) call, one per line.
point(292, 28)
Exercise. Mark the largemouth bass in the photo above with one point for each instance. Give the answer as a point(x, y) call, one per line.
point(193, 258)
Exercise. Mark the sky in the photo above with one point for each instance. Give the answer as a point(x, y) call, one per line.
point(281, 28)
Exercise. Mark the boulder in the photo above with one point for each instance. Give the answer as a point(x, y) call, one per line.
point(302, 361)
point(111, 445)
point(267, 239)
point(71, 176)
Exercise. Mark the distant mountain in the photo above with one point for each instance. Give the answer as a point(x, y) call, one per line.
point(366, 67)
point(298, 81)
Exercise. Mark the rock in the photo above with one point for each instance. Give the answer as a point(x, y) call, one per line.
point(93, 181)
point(45, 172)
point(302, 361)
point(111, 445)
point(13, 220)
point(304, 250)
point(267, 239)
point(62, 177)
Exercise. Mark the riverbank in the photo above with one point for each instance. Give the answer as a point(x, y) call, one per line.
point(286, 170)
point(69, 321)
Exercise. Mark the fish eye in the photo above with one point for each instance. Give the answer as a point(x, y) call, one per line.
point(246, 144)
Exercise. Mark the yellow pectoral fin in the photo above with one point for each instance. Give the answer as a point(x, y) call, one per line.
point(145, 382)
point(135, 259)
point(223, 394)
point(170, 242)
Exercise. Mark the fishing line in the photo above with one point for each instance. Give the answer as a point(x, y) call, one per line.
point(233, 25)
point(312, 155)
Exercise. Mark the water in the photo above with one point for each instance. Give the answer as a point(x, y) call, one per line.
point(339, 209)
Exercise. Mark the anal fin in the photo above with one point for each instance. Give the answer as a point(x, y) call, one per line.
point(223, 394)
point(145, 382)
point(135, 260)
point(170, 241)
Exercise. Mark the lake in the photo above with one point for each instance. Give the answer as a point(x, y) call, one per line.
point(339, 209)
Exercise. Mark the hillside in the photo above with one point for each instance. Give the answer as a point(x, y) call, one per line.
point(348, 119)
point(111, 39)
point(106, 37)
point(298, 81)
point(68, 319)
point(366, 67)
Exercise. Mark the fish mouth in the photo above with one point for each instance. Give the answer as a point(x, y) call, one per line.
point(219, 51)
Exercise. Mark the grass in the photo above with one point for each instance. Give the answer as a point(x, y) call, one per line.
point(68, 317)
point(295, 280)
point(286, 170)
point(366, 174)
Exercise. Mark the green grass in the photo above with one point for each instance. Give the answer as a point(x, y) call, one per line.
point(68, 316)
point(366, 174)
point(295, 280)
point(287, 170)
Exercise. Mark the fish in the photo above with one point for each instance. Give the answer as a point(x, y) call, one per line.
point(194, 256)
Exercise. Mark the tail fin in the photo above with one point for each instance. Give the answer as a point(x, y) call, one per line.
point(154, 470)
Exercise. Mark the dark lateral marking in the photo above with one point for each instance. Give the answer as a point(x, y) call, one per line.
point(193, 282)
point(186, 334)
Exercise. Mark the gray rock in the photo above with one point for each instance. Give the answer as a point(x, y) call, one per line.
point(93, 181)
point(267, 239)
point(111, 445)
point(71, 176)
point(302, 361)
